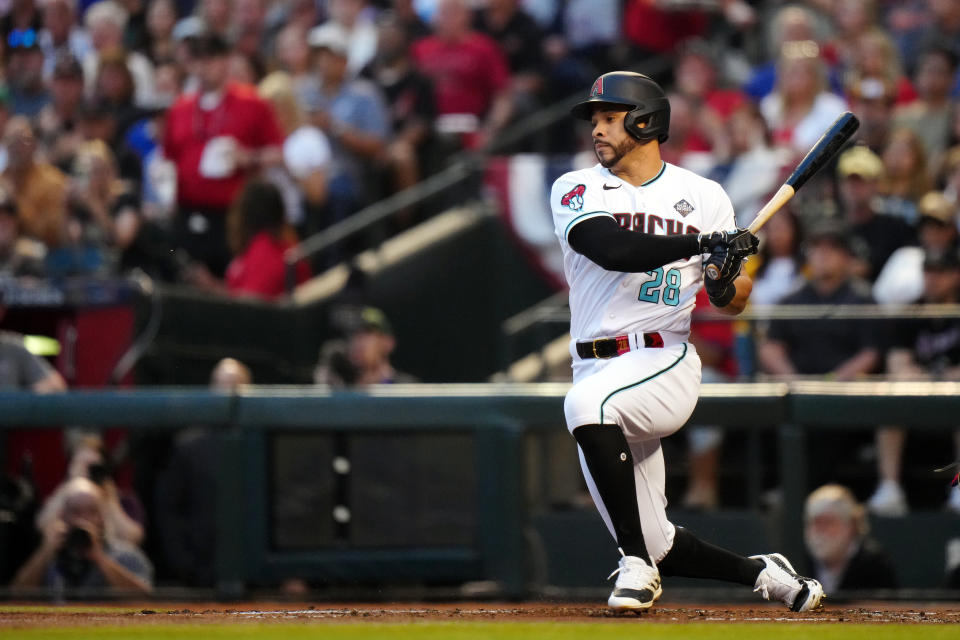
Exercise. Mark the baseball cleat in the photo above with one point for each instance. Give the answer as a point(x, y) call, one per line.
point(637, 586)
point(779, 581)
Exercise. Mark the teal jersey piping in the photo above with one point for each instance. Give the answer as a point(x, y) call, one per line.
point(663, 167)
point(650, 377)
point(566, 231)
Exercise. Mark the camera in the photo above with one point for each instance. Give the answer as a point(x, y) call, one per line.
point(72, 561)
point(99, 473)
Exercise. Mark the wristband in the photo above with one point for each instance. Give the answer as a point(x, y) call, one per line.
point(721, 298)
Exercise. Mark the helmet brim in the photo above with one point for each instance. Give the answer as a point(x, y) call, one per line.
point(584, 110)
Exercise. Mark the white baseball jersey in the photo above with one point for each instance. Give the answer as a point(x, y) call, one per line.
point(610, 303)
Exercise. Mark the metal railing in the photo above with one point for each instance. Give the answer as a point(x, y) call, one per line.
point(544, 319)
point(555, 310)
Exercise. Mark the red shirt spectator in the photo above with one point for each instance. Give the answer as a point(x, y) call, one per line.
point(259, 239)
point(466, 73)
point(261, 270)
point(714, 338)
point(658, 30)
point(241, 114)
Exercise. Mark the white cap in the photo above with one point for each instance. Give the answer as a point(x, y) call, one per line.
point(330, 36)
point(189, 27)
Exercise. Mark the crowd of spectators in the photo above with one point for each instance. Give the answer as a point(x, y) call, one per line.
point(130, 128)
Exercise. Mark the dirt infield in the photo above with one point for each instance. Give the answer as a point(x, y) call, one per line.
point(14, 616)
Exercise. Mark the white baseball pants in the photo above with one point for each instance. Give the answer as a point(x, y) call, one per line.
point(650, 394)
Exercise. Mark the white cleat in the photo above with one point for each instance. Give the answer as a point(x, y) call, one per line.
point(637, 586)
point(779, 581)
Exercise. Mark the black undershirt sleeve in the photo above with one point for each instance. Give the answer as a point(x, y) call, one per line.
point(606, 243)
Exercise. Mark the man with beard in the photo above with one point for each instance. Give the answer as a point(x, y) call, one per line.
point(634, 231)
point(217, 139)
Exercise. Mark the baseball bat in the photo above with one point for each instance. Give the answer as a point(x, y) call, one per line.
point(819, 155)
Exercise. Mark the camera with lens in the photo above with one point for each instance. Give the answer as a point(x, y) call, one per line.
point(99, 473)
point(72, 560)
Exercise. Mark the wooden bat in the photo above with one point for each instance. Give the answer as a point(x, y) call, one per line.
point(819, 155)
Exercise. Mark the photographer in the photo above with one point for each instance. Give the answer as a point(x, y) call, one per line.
point(89, 460)
point(76, 552)
point(364, 358)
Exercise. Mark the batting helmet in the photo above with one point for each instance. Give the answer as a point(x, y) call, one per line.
point(644, 98)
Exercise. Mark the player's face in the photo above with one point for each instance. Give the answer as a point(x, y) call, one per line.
point(611, 142)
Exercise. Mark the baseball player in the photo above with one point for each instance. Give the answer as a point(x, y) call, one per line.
point(634, 232)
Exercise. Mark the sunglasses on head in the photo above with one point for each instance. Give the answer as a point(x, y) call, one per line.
point(22, 38)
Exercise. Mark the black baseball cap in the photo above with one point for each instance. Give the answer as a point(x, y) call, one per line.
point(829, 231)
point(209, 45)
point(373, 319)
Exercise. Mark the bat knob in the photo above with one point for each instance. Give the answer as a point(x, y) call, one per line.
point(712, 272)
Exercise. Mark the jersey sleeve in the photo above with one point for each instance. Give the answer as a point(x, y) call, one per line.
point(572, 201)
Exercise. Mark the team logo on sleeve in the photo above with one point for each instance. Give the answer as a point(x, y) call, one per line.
point(574, 198)
point(683, 208)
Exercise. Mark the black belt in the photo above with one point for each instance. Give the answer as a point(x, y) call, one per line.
point(612, 347)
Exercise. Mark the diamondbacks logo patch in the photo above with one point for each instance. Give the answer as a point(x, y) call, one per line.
point(574, 198)
point(683, 207)
point(597, 89)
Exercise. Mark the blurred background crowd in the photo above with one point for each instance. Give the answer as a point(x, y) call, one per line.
point(199, 141)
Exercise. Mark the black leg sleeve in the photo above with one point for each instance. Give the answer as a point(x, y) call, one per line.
point(610, 463)
point(691, 557)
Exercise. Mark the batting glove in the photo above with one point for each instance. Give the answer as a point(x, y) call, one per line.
point(741, 241)
point(723, 265)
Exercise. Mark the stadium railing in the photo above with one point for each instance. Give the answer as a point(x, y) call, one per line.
point(497, 417)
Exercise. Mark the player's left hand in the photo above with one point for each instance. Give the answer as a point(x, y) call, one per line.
point(742, 243)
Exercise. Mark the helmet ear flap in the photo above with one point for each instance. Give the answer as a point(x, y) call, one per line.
point(632, 122)
point(656, 124)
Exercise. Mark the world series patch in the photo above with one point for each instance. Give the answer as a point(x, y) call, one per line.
point(683, 207)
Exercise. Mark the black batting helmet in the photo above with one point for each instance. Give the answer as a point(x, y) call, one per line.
point(643, 97)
